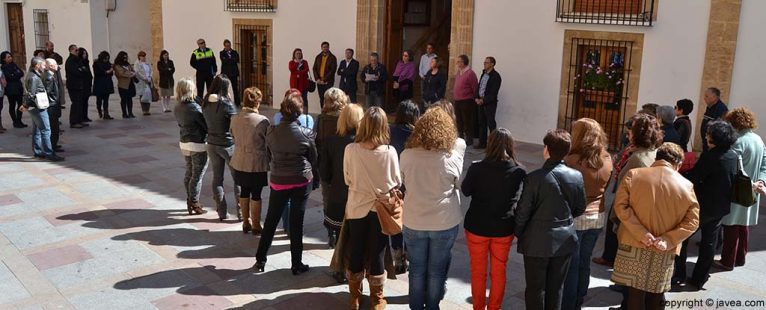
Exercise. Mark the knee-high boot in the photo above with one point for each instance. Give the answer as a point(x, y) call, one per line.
point(376, 291)
point(255, 216)
point(355, 288)
point(245, 204)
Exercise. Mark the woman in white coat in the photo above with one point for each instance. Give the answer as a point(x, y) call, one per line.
point(145, 80)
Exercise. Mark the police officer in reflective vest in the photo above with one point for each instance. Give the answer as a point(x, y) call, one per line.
point(203, 60)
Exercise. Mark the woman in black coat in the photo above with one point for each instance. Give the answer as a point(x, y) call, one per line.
point(166, 68)
point(103, 85)
point(13, 89)
point(713, 176)
point(81, 81)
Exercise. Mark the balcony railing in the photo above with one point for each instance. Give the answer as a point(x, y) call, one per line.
point(608, 12)
point(265, 6)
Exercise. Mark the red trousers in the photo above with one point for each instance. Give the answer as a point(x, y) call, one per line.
point(734, 245)
point(494, 249)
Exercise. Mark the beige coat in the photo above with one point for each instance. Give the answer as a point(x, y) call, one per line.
point(657, 200)
point(249, 131)
point(124, 76)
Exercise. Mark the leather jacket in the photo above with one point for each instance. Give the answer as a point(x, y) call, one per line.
point(292, 152)
point(34, 85)
point(552, 197)
point(218, 113)
point(192, 123)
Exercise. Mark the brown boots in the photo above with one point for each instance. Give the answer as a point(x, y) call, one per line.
point(251, 216)
point(377, 299)
point(355, 288)
point(255, 216)
point(244, 203)
point(376, 291)
point(194, 208)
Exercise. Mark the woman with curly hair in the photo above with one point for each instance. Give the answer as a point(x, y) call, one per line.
point(432, 163)
point(736, 225)
point(326, 126)
point(713, 177)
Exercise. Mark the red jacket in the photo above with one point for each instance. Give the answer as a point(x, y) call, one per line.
point(299, 78)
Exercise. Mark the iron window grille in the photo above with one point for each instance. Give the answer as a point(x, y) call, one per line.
point(253, 44)
point(42, 32)
point(262, 6)
point(598, 82)
point(609, 12)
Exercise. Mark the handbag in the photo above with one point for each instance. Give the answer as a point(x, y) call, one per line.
point(155, 93)
point(41, 101)
point(388, 206)
point(312, 85)
point(742, 190)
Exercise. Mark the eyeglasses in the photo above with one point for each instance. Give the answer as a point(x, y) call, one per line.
point(201, 43)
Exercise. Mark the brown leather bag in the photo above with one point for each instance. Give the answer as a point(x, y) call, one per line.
point(389, 209)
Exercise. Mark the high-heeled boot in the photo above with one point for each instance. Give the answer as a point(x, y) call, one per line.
point(377, 300)
point(354, 288)
point(245, 204)
point(255, 216)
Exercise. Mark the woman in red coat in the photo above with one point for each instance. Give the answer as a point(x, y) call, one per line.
point(299, 76)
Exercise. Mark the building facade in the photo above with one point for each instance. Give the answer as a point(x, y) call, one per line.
point(560, 60)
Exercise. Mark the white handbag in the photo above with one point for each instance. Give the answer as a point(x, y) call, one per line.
point(41, 101)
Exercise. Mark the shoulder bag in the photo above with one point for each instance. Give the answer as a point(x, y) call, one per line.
point(742, 189)
point(312, 86)
point(388, 206)
point(155, 92)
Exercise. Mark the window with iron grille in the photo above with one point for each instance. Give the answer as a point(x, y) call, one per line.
point(254, 47)
point(599, 77)
point(267, 6)
point(42, 33)
point(610, 12)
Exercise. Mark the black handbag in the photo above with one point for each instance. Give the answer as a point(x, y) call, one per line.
point(312, 85)
point(742, 190)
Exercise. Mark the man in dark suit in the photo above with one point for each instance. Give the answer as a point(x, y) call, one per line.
point(486, 99)
point(552, 197)
point(714, 111)
point(325, 65)
point(347, 70)
point(230, 67)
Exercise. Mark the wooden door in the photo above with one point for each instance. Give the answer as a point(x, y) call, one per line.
point(394, 47)
point(16, 32)
point(254, 60)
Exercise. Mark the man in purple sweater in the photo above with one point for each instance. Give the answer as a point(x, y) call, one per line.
point(466, 85)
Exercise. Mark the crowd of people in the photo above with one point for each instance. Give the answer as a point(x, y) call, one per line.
point(648, 199)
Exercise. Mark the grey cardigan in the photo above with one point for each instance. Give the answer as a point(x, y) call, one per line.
point(249, 131)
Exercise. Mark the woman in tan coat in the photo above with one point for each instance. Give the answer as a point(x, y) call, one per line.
point(125, 74)
point(658, 210)
point(250, 161)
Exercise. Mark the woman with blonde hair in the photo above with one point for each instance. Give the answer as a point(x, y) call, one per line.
point(431, 167)
point(589, 156)
point(189, 116)
point(736, 225)
point(370, 168)
point(331, 168)
point(251, 159)
point(325, 126)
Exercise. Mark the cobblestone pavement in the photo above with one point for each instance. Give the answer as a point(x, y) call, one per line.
point(107, 229)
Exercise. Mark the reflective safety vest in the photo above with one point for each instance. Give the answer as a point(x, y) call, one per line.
point(208, 53)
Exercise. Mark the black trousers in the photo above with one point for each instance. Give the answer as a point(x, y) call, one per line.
point(54, 113)
point(610, 240)
point(709, 229)
point(14, 102)
point(638, 299)
point(102, 103)
point(545, 281)
point(465, 113)
point(351, 94)
point(77, 109)
point(203, 80)
point(126, 102)
point(367, 243)
point(278, 200)
point(320, 90)
point(235, 88)
point(487, 121)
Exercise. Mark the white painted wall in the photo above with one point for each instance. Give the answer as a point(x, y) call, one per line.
point(748, 79)
point(129, 29)
point(68, 22)
point(297, 23)
point(529, 50)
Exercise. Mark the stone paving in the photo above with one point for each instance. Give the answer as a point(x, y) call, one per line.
point(108, 229)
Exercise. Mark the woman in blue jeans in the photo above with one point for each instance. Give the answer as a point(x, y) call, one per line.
point(431, 166)
point(41, 137)
point(589, 156)
point(193, 132)
point(218, 109)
